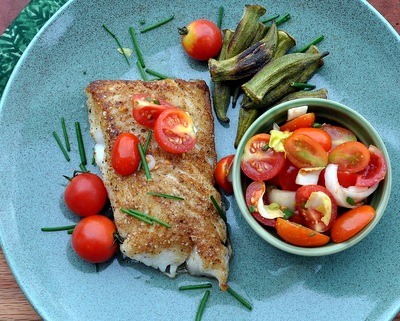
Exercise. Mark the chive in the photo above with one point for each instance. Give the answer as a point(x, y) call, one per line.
point(70, 231)
point(155, 101)
point(302, 85)
point(283, 19)
point(270, 19)
point(144, 215)
point(288, 213)
point(58, 228)
point(252, 209)
point(157, 24)
point(93, 159)
point(220, 16)
point(312, 234)
point(118, 42)
point(239, 298)
point(61, 146)
point(195, 286)
point(80, 143)
point(145, 166)
point(202, 305)
point(265, 147)
point(350, 201)
point(142, 21)
point(67, 145)
point(142, 72)
point(137, 216)
point(157, 74)
point(135, 44)
point(316, 125)
point(313, 42)
point(166, 196)
point(83, 168)
point(219, 209)
point(146, 145)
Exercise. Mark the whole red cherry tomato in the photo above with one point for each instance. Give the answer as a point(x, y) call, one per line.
point(222, 173)
point(201, 39)
point(125, 157)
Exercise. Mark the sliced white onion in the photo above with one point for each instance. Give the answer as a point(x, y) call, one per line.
point(283, 198)
point(151, 162)
point(308, 176)
point(356, 193)
point(296, 112)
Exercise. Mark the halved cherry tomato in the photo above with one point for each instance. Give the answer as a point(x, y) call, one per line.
point(345, 179)
point(85, 195)
point(260, 164)
point(305, 120)
point(350, 223)
point(222, 171)
point(303, 151)
point(174, 131)
point(254, 192)
point(201, 39)
point(287, 176)
point(314, 218)
point(146, 109)
point(93, 239)
point(376, 169)
point(339, 134)
point(318, 135)
point(350, 156)
point(125, 157)
point(299, 235)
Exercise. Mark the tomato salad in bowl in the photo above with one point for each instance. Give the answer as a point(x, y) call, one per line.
point(311, 177)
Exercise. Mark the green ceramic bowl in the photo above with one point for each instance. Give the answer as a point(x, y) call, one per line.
point(331, 112)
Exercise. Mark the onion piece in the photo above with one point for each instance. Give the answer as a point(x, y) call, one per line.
point(151, 162)
point(296, 112)
point(283, 198)
point(340, 193)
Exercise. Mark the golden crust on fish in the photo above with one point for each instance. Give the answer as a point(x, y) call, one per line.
point(197, 236)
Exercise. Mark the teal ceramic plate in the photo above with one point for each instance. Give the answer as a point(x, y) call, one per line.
point(362, 283)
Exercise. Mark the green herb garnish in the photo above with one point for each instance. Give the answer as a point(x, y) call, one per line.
point(219, 209)
point(154, 101)
point(144, 162)
point(312, 234)
point(80, 143)
point(144, 217)
point(166, 196)
point(302, 85)
point(265, 148)
point(136, 46)
point(157, 24)
point(83, 168)
point(313, 42)
point(118, 42)
point(58, 140)
point(239, 298)
point(202, 305)
point(270, 19)
point(195, 286)
point(220, 16)
point(252, 209)
point(66, 138)
point(288, 213)
point(142, 71)
point(350, 201)
point(58, 228)
point(283, 19)
point(157, 74)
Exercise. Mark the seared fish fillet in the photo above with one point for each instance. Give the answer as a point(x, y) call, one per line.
point(198, 235)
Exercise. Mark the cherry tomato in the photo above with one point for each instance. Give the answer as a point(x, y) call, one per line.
point(254, 192)
point(314, 218)
point(318, 135)
point(287, 176)
point(201, 39)
point(339, 134)
point(222, 171)
point(299, 235)
point(345, 179)
point(303, 151)
point(350, 156)
point(146, 109)
point(259, 164)
point(125, 157)
point(85, 195)
point(350, 223)
point(305, 120)
point(376, 169)
point(93, 239)
point(174, 131)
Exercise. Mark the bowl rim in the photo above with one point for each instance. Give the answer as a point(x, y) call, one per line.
point(331, 247)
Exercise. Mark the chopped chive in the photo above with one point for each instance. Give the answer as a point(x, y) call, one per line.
point(220, 16)
point(283, 19)
point(195, 286)
point(219, 209)
point(302, 85)
point(239, 298)
point(58, 228)
point(144, 162)
point(350, 201)
point(312, 234)
point(252, 209)
point(83, 168)
point(135, 44)
point(313, 42)
point(140, 217)
point(141, 70)
point(80, 143)
point(142, 21)
point(146, 145)
point(93, 159)
point(144, 216)
point(202, 305)
point(61, 146)
point(70, 231)
point(118, 42)
point(157, 74)
point(316, 125)
point(288, 213)
point(157, 24)
point(270, 19)
point(157, 102)
point(166, 196)
point(265, 147)
point(66, 138)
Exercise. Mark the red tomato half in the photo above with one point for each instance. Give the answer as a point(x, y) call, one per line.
point(345, 179)
point(287, 177)
point(93, 239)
point(146, 109)
point(303, 151)
point(201, 39)
point(318, 135)
point(339, 134)
point(174, 131)
point(305, 120)
point(350, 156)
point(85, 195)
point(260, 164)
point(254, 192)
point(125, 157)
point(222, 171)
point(376, 169)
point(314, 219)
